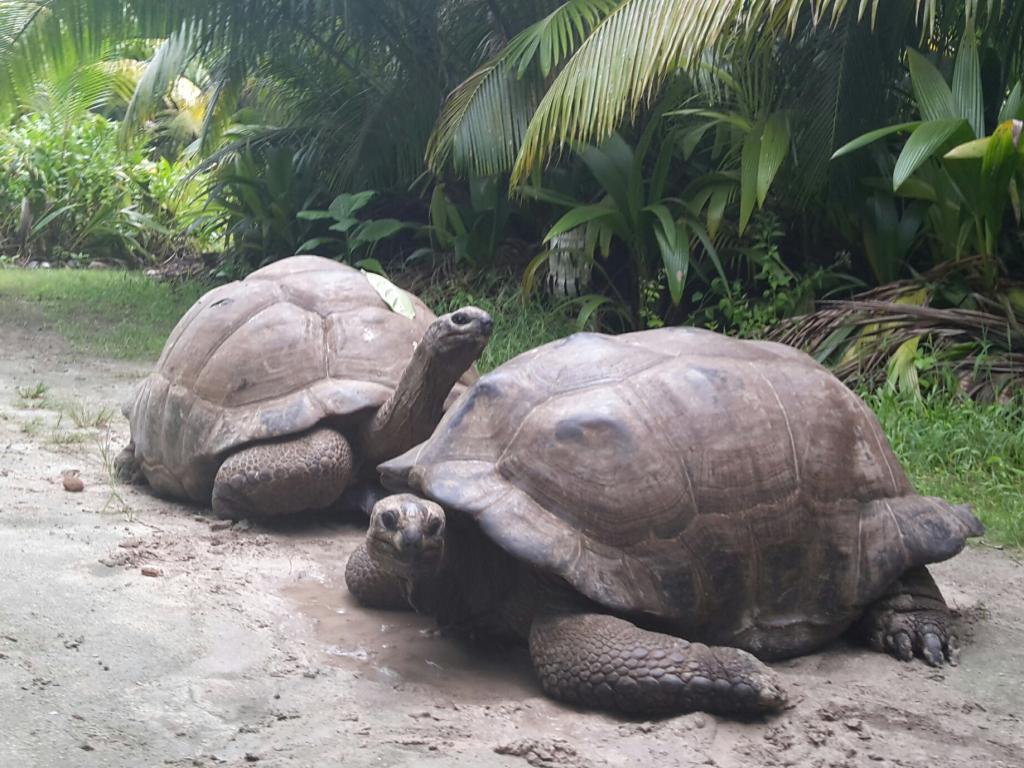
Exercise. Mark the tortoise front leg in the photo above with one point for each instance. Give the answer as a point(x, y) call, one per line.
point(604, 662)
point(127, 467)
point(371, 585)
point(911, 619)
point(304, 472)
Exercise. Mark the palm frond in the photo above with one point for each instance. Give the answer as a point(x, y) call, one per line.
point(482, 124)
point(868, 338)
point(628, 56)
point(623, 61)
point(166, 66)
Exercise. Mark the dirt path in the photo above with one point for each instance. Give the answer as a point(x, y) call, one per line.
point(246, 650)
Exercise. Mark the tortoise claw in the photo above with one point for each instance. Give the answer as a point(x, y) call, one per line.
point(900, 646)
point(931, 649)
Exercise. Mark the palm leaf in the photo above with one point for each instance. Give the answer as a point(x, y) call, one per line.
point(481, 126)
point(166, 66)
point(928, 140)
point(967, 89)
point(624, 61)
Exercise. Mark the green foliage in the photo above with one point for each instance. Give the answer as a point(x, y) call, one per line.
point(657, 231)
point(113, 313)
point(963, 451)
point(473, 230)
point(358, 237)
point(70, 193)
point(481, 127)
point(254, 198)
point(775, 291)
point(944, 162)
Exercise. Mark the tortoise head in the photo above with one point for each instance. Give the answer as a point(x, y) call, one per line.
point(459, 337)
point(406, 535)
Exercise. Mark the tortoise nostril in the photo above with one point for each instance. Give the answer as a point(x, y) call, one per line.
point(389, 519)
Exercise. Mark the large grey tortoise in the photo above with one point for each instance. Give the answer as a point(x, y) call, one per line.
point(274, 391)
point(603, 498)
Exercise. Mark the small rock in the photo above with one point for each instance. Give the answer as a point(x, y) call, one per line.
point(251, 758)
point(72, 482)
point(87, 747)
point(149, 570)
point(220, 525)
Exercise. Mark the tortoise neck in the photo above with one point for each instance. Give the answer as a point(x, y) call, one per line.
point(415, 407)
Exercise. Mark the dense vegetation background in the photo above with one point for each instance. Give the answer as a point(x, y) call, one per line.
point(844, 176)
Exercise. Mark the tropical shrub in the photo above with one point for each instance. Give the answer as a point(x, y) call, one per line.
point(69, 192)
point(658, 232)
point(254, 197)
point(356, 237)
point(964, 182)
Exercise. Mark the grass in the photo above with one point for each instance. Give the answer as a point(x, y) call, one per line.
point(111, 313)
point(36, 392)
point(965, 452)
point(89, 417)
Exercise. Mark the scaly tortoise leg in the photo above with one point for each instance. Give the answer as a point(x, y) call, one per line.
point(371, 585)
point(127, 468)
point(911, 619)
point(303, 472)
point(604, 662)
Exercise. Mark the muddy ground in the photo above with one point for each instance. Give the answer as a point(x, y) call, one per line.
point(243, 648)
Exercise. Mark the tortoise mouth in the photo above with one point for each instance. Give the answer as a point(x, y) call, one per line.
point(406, 559)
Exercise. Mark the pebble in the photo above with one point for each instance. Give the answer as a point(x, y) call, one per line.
point(149, 570)
point(72, 482)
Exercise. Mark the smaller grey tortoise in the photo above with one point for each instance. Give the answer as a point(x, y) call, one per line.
point(652, 512)
point(272, 393)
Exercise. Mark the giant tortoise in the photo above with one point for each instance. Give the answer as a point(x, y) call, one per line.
point(603, 498)
point(272, 392)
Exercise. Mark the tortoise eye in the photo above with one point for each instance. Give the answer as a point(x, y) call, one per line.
point(389, 519)
point(460, 318)
point(433, 526)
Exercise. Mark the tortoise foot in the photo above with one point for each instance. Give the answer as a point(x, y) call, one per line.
point(912, 620)
point(306, 472)
point(127, 468)
point(371, 585)
point(604, 662)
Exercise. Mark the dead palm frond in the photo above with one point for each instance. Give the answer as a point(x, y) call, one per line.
point(891, 332)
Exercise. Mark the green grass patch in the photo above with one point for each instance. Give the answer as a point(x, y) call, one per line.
point(965, 452)
point(116, 314)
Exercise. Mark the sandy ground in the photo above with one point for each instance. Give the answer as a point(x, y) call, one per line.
point(245, 649)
